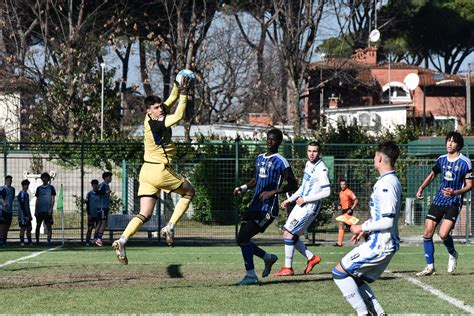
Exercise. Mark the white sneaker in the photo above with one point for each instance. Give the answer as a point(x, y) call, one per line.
point(452, 262)
point(427, 271)
point(168, 233)
point(120, 252)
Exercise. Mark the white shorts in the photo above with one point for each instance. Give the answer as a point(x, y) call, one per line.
point(366, 263)
point(299, 220)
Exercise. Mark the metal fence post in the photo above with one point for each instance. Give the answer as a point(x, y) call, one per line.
point(124, 187)
point(237, 205)
point(82, 192)
point(5, 148)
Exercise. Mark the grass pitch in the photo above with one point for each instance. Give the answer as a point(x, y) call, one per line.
point(158, 279)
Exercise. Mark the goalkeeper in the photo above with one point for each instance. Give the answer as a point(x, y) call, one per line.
point(156, 173)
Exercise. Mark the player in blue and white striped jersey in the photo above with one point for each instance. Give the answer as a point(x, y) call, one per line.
point(455, 169)
point(365, 263)
point(271, 169)
point(309, 196)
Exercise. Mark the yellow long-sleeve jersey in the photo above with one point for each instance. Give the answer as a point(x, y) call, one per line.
point(157, 133)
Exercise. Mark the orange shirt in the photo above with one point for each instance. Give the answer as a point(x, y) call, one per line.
point(347, 198)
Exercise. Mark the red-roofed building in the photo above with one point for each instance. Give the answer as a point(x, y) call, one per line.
point(360, 83)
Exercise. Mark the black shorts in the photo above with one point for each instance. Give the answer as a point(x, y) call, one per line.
point(102, 214)
point(44, 217)
point(6, 218)
point(437, 213)
point(262, 219)
point(24, 223)
point(348, 211)
point(92, 221)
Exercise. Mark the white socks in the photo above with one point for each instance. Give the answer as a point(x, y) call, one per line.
point(289, 252)
point(301, 247)
point(350, 291)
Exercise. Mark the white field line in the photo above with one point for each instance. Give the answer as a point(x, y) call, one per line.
point(451, 300)
point(36, 254)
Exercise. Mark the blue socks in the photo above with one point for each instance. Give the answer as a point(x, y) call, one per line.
point(247, 253)
point(449, 243)
point(428, 245)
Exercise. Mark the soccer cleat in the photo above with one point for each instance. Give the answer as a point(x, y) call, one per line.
point(268, 265)
point(168, 234)
point(248, 280)
point(337, 245)
point(311, 263)
point(427, 271)
point(120, 252)
point(99, 242)
point(284, 271)
point(452, 262)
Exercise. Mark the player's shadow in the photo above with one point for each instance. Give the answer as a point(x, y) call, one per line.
point(305, 279)
point(174, 272)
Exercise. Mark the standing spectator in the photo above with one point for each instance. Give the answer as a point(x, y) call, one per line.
point(24, 213)
point(92, 204)
point(103, 192)
point(7, 212)
point(45, 198)
point(347, 203)
point(456, 179)
point(365, 263)
point(309, 197)
point(271, 169)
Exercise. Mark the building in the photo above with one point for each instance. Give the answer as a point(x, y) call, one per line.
point(356, 88)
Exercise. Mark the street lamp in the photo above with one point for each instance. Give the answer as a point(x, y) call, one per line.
point(102, 66)
point(424, 98)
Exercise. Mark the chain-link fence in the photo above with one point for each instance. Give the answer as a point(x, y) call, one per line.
point(214, 168)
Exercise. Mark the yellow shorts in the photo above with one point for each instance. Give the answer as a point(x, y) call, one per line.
point(156, 177)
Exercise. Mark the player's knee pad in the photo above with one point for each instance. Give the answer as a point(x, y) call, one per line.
point(338, 275)
point(291, 241)
point(143, 218)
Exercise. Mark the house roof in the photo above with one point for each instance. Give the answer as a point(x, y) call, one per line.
point(428, 77)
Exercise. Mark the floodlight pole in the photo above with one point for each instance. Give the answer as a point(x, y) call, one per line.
point(102, 66)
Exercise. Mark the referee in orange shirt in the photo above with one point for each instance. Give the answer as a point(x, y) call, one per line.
point(348, 201)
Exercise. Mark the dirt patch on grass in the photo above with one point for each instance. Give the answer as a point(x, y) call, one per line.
point(111, 278)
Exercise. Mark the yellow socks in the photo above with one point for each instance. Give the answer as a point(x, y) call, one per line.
point(180, 208)
point(134, 225)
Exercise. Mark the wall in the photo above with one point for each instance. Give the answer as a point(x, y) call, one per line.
point(10, 115)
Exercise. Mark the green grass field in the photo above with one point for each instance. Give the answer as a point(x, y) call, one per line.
point(80, 280)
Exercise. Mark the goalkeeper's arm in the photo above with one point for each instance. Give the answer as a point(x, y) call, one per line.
point(168, 104)
point(178, 115)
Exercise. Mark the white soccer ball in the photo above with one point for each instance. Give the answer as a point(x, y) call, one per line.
point(186, 74)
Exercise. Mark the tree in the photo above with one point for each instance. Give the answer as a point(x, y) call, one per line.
point(411, 31)
point(293, 35)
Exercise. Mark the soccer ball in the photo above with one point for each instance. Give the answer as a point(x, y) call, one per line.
point(185, 78)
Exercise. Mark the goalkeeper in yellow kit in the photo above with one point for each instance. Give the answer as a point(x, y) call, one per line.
point(156, 173)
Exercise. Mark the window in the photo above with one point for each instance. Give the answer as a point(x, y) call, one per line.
point(399, 93)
